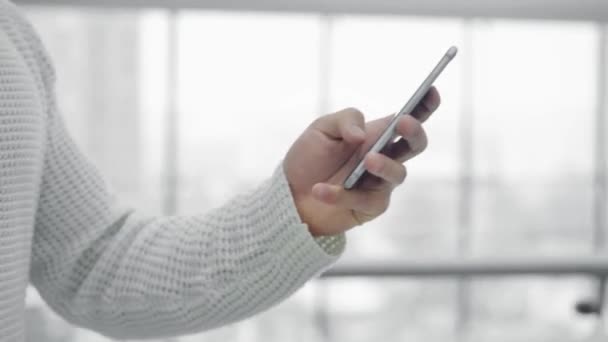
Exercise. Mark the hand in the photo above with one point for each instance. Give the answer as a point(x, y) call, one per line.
point(329, 149)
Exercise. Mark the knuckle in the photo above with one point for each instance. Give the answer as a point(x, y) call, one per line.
point(355, 114)
point(417, 130)
point(403, 172)
point(380, 167)
point(364, 201)
point(378, 203)
point(424, 142)
point(438, 98)
point(316, 122)
point(383, 203)
point(419, 138)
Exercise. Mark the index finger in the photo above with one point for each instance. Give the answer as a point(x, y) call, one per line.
point(428, 105)
point(348, 124)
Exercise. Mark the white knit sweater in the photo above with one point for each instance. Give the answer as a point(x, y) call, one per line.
point(106, 267)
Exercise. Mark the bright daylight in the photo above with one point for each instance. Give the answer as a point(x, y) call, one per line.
point(187, 112)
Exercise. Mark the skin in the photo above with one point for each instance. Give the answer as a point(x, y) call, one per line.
point(329, 149)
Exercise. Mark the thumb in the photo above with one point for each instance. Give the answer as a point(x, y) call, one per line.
point(347, 124)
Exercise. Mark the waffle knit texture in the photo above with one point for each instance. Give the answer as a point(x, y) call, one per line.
point(106, 267)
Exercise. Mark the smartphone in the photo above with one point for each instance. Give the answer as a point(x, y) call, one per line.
point(389, 133)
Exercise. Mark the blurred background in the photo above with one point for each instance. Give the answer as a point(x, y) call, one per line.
point(183, 104)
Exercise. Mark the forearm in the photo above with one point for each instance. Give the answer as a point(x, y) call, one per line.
point(131, 276)
point(103, 266)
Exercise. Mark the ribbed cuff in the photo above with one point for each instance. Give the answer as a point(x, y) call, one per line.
point(294, 234)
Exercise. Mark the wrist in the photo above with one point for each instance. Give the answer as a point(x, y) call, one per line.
point(302, 204)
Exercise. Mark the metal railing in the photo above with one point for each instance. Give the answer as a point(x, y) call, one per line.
point(475, 267)
point(595, 267)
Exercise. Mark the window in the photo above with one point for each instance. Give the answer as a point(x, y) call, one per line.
point(239, 103)
point(509, 169)
point(534, 190)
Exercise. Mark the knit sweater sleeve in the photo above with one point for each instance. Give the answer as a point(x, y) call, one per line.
point(106, 267)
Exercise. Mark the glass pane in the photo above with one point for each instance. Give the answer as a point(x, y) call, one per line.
point(97, 56)
point(249, 84)
point(107, 96)
point(534, 102)
point(248, 88)
point(377, 64)
point(532, 309)
point(365, 310)
point(534, 99)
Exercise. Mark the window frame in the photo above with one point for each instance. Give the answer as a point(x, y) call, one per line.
point(595, 10)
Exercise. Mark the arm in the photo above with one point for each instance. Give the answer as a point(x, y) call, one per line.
point(105, 267)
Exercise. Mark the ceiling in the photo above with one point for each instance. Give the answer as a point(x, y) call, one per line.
point(596, 10)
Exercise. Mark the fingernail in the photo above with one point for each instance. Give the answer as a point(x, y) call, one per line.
point(357, 132)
